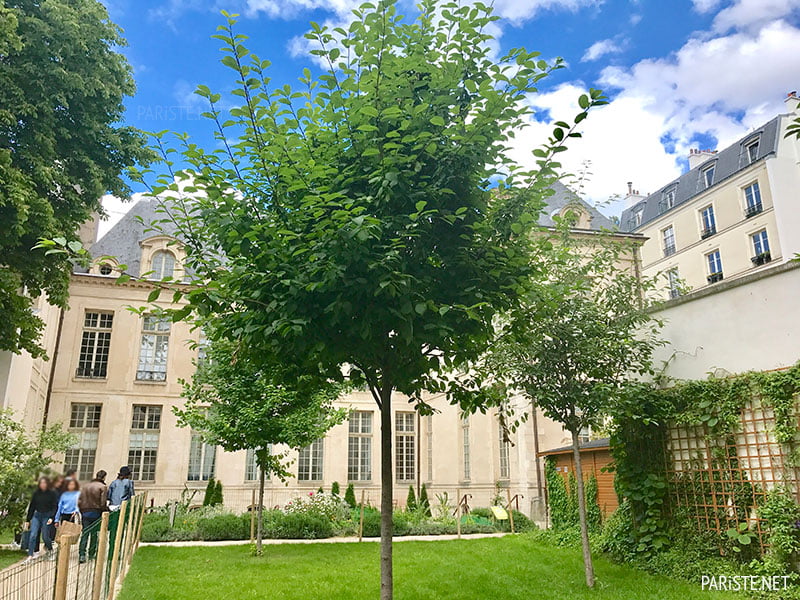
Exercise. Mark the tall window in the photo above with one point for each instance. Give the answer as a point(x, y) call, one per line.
point(405, 446)
point(752, 198)
point(153, 349)
point(429, 443)
point(359, 446)
point(668, 236)
point(143, 448)
point(84, 423)
point(163, 265)
point(760, 242)
point(714, 266)
point(251, 465)
point(752, 151)
point(709, 221)
point(505, 467)
point(202, 459)
point(95, 343)
point(674, 283)
point(309, 462)
point(466, 466)
point(708, 176)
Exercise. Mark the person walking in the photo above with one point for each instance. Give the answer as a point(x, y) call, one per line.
point(68, 502)
point(120, 489)
point(92, 502)
point(41, 513)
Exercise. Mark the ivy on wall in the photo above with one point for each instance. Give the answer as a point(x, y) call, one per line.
point(563, 499)
point(639, 443)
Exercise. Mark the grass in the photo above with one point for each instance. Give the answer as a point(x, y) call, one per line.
point(9, 557)
point(508, 568)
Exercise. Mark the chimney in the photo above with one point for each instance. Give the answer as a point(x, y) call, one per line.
point(698, 157)
point(633, 196)
point(792, 102)
point(87, 233)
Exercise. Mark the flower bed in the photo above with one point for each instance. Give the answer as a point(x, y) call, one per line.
point(318, 515)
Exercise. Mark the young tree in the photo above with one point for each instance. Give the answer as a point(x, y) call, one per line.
point(62, 86)
point(23, 457)
point(238, 405)
point(354, 214)
point(582, 333)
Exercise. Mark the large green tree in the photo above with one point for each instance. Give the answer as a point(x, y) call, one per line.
point(581, 333)
point(62, 83)
point(346, 227)
point(237, 404)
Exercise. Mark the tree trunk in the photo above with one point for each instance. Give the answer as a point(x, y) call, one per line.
point(587, 552)
point(387, 483)
point(260, 520)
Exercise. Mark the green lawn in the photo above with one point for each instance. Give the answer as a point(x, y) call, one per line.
point(9, 557)
point(507, 568)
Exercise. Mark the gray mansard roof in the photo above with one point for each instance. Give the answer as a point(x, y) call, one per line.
point(123, 240)
point(729, 161)
point(561, 197)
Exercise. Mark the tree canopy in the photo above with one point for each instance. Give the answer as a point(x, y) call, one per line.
point(62, 85)
point(368, 222)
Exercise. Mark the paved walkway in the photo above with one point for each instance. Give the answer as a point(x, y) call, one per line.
point(333, 540)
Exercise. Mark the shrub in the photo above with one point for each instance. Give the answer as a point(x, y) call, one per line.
point(300, 525)
point(350, 495)
point(372, 522)
point(411, 500)
point(218, 500)
point(223, 527)
point(211, 493)
point(401, 523)
point(431, 527)
point(335, 488)
point(155, 528)
point(319, 504)
point(424, 503)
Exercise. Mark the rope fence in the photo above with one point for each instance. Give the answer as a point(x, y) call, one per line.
point(88, 566)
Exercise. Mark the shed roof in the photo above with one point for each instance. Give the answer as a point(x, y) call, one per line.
point(593, 445)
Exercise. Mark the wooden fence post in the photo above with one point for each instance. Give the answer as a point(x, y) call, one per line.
point(101, 558)
point(112, 580)
point(141, 520)
point(510, 510)
point(128, 540)
point(458, 512)
point(361, 520)
point(62, 567)
point(253, 517)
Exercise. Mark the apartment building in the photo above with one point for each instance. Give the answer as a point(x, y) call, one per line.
point(733, 213)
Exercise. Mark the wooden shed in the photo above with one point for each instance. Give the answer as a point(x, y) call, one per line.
point(595, 455)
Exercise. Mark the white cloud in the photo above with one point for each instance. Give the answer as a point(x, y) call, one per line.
point(601, 48)
point(287, 9)
point(752, 14)
point(522, 10)
point(705, 6)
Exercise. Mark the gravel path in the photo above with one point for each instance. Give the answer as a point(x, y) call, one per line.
point(333, 540)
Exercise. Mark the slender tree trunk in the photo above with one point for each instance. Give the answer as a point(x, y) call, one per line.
point(587, 551)
point(387, 483)
point(260, 523)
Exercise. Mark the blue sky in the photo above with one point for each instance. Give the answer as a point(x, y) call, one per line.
point(681, 73)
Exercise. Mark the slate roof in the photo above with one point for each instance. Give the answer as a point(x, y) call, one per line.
point(123, 240)
point(728, 163)
point(563, 196)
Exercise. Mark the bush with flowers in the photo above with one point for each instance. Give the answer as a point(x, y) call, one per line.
point(319, 504)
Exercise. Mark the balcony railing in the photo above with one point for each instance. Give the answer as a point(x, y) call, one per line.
point(708, 232)
point(752, 210)
point(143, 375)
point(669, 249)
point(714, 277)
point(87, 372)
point(761, 259)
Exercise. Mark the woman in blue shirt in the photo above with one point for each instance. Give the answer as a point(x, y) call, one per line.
point(68, 502)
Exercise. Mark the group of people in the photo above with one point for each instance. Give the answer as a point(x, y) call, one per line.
point(63, 499)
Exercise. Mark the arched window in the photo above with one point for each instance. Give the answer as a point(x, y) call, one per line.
point(163, 265)
point(106, 269)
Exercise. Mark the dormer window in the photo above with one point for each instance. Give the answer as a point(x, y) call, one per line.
point(708, 176)
point(668, 198)
point(751, 151)
point(163, 265)
point(105, 269)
